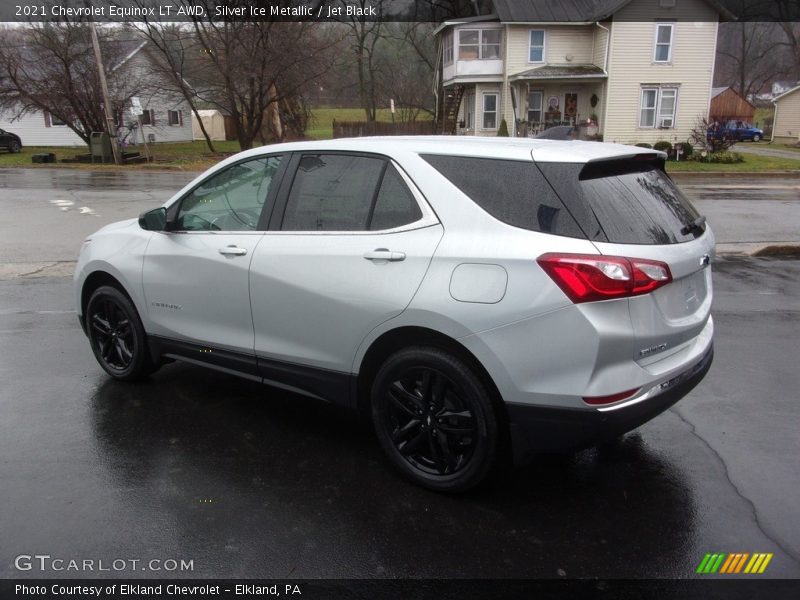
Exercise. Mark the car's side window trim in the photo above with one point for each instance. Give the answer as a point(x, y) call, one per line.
point(266, 210)
point(279, 211)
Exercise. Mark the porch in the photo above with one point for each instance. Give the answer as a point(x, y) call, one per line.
point(550, 96)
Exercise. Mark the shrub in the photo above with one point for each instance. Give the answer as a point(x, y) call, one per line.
point(644, 145)
point(663, 146)
point(723, 157)
point(686, 150)
point(503, 131)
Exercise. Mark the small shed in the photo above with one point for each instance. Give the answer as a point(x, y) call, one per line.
point(727, 105)
point(217, 125)
point(786, 127)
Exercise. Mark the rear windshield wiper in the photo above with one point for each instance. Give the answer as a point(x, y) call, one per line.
point(696, 225)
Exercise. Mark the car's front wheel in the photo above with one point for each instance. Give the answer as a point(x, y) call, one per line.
point(756, 138)
point(14, 146)
point(434, 419)
point(116, 335)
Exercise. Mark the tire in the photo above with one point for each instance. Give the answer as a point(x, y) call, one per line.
point(756, 138)
point(434, 419)
point(14, 147)
point(117, 336)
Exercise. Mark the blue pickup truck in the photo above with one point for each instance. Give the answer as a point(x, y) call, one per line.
point(735, 130)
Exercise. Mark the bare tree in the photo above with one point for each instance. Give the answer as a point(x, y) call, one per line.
point(364, 36)
point(243, 68)
point(750, 56)
point(50, 67)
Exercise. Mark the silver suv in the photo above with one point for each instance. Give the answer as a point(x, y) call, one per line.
point(473, 297)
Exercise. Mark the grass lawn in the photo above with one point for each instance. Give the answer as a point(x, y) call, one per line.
point(191, 156)
point(751, 163)
point(321, 126)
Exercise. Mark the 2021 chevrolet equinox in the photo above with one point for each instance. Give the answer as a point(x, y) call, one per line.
point(468, 295)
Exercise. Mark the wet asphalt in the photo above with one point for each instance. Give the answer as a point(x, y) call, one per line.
point(249, 481)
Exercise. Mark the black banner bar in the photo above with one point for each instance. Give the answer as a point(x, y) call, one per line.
point(438, 11)
point(422, 589)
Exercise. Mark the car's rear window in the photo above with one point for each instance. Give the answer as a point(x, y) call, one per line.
point(628, 201)
point(514, 192)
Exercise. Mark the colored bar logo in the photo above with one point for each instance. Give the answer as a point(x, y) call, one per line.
point(734, 563)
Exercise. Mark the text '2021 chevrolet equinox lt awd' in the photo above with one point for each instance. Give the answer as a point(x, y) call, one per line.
point(468, 295)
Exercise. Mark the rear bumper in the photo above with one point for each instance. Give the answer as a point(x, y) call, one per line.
point(542, 429)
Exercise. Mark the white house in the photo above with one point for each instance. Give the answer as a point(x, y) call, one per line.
point(165, 118)
point(786, 126)
point(640, 70)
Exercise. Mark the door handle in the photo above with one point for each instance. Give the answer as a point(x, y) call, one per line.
point(384, 254)
point(233, 251)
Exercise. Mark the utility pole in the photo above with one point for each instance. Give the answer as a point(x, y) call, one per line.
point(110, 124)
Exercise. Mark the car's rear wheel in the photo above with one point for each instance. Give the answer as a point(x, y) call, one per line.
point(117, 336)
point(434, 419)
point(14, 146)
point(756, 138)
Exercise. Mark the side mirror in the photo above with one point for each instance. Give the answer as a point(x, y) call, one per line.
point(154, 220)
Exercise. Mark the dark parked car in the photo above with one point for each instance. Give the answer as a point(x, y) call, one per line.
point(10, 141)
point(736, 130)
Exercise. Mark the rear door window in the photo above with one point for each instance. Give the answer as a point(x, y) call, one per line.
point(628, 201)
point(514, 192)
point(348, 192)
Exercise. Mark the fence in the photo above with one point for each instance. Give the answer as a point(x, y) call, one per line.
point(344, 129)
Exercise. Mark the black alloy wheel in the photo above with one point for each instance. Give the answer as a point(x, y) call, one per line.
point(14, 147)
point(434, 419)
point(116, 335)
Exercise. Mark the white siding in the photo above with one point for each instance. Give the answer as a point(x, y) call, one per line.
point(33, 131)
point(786, 128)
point(140, 69)
point(631, 65)
point(599, 45)
point(560, 41)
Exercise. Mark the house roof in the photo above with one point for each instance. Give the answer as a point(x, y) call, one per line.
point(565, 11)
point(718, 90)
point(786, 93)
point(561, 72)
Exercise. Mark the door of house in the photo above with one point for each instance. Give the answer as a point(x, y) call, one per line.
point(570, 106)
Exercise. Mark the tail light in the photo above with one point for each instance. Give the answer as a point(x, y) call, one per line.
point(593, 277)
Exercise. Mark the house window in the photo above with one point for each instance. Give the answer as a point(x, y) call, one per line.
point(478, 44)
point(535, 100)
point(148, 117)
point(175, 117)
point(658, 106)
point(536, 46)
point(667, 102)
point(490, 111)
point(663, 47)
point(56, 122)
point(447, 42)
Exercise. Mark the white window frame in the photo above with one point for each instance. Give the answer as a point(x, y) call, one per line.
point(541, 106)
point(448, 48)
point(481, 44)
point(56, 122)
point(656, 43)
point(496, 110)
point(658, 117)
point(178, 116)
point(531, 46)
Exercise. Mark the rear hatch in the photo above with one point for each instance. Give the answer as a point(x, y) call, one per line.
point(629, 207)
